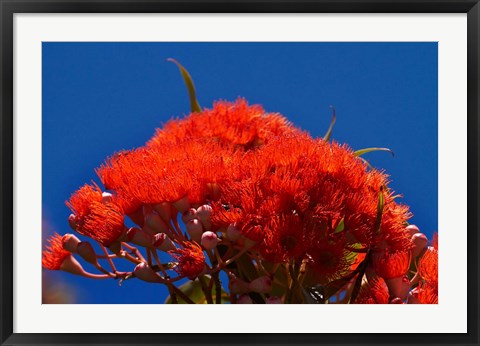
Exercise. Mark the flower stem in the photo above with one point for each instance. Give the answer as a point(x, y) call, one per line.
point(109, 259)
point(206, 292)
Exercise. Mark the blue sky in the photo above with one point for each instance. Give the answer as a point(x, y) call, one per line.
point(99, 98)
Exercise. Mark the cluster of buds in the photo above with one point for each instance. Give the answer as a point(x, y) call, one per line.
point(234, 189)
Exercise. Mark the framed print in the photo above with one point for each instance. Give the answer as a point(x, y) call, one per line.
point(295, 171)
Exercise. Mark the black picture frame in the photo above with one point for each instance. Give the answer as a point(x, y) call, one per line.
point(9, 7)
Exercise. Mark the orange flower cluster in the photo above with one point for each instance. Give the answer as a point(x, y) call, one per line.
point(296, 191)
point(54, 254)
point(188, 157)
point(251, 182)
point(427, 292)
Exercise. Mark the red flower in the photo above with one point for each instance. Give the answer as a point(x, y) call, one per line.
point(330, 259)
point(391, 265)
point(428, 266)
point(80, 202)
point(427, 293)
point(237, 124)
point(375, 292)
point(54, 254)
point(191, 260)
point(94, 218)
point(313, 185)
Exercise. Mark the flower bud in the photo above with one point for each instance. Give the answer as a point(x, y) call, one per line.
point(263, 284)
point(244, 299)
point(70, 242)
point(71, 265)
point(164, 210)
point(145, 273)
point(420, 241)
point(195, 230)
point(72, 222)
point(237, 286)
point(190, 214)
point(396, 301)
point(154, 223)
point(209, 240)
point(86, 251)
point(162, 242)
point(398, 287)
point(274, 300)
point(233, 233)
point(137, 217)
point(204, 214)
point(412, 229)
point(107, 197)
point(182, 205)
point(115, 247)
point(139, 237)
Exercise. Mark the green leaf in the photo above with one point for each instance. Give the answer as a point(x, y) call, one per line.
point(340, 227)
point(194, 105)
point(367, 163)
point(350, 256)
point(246, 268)
point(369, 150)
point(362, 267)
point(380, 206)
point(193, 290)
point(332, 123)
point(334, 286)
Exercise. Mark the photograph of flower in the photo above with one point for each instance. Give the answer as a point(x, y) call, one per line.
point(240, 172)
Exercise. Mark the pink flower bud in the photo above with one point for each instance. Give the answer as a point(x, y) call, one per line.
point(145, 273)
point(204, 214)
point(398, 287)
point(72, 222)
point(263, 284)
point(233, 233)
point(115, 247)
point(164, 210)
point(162, 242)
point(190, 214)
point(195, 230)
point(123, 236)
point(107, 197)
point(420, 241)
point(71, 265)
point(70, 242)
point(412, 229)
point(244, 299)
point(137, 217)
point(154, 223)
point(237, 286)
point(86, 251)
point(182, 205)
point(209, 240)
point(274, 300)
point(139, 237)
